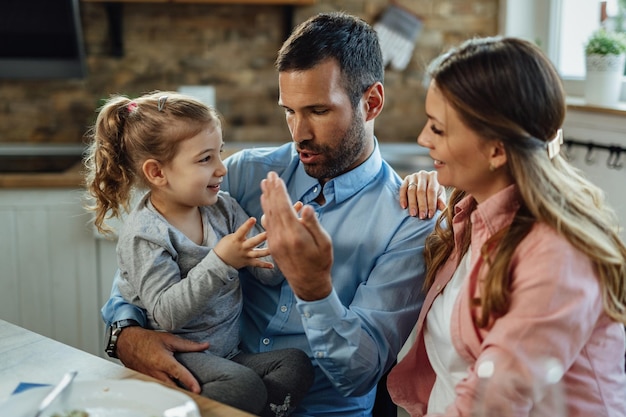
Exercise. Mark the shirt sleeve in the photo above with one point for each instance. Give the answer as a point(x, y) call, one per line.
point(355, 345)
point(173, 301)
point(152, 278)
point(117, 308)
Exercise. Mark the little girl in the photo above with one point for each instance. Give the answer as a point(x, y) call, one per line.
point(180, 249)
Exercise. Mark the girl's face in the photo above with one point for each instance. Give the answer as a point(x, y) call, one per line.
point(196, 172)
point(461, 157)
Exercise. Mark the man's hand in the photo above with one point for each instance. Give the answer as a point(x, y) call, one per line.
point(300, 246)
point(422, 194)
point(152, 353)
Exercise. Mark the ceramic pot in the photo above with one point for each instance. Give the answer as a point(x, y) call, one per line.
point(603, 83)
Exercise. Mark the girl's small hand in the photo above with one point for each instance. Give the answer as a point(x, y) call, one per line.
point(238, 251)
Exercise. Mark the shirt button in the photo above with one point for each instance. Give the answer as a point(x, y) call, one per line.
point(307, 314)
point(266, 341)
point(315, 189)
point(319, 354)
point(283, 309)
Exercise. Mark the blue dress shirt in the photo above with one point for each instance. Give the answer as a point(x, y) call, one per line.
point(354, 335)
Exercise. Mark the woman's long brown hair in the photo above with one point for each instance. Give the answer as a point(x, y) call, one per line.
point(506, 89)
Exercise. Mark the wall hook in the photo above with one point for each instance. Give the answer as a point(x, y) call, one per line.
point(569, 156)
point(613, 162)
point(589, 156)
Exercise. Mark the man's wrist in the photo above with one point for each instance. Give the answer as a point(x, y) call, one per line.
point(113, 333)
point(314, 293)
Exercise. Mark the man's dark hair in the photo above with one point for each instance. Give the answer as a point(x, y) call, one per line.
point(349, 40)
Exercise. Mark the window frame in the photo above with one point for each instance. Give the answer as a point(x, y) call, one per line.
point(536, 21)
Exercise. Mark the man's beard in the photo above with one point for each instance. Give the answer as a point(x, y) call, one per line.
point(341, 157)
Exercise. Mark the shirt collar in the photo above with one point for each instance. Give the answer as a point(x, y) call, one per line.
point(494, 213)
point(487, 218)
point(498, 210)
point(345, 185)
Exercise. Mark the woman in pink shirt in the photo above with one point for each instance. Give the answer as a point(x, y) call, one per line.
point(526, 271)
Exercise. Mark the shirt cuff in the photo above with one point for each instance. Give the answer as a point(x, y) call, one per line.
point(128, 311)
point(320, 314)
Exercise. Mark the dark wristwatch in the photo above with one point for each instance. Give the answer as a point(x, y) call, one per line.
point(113, 333)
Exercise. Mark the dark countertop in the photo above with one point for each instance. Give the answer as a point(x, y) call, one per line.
point(404, 157)
point(72, 178)
point(36, 165)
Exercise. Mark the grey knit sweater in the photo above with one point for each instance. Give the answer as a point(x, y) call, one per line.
point(186, 288)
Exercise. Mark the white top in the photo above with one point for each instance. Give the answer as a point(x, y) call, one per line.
point(449, 367)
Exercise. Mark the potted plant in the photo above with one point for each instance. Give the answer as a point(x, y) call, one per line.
point(605, 53)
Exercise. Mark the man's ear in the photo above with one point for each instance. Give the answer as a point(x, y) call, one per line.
point(497, 154)
point(374, 98)
point(153, 172)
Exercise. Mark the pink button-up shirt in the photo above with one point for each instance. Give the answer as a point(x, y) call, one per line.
point(555, 312)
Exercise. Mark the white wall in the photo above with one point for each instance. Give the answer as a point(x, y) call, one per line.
point(527, 19)
point(605, 129)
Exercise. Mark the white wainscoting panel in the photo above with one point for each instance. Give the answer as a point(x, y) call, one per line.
point(48, 275)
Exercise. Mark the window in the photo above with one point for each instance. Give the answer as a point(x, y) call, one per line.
point(561, 28)
point(574, 23)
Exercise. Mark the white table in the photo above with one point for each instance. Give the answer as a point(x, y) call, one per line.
point(26, 356)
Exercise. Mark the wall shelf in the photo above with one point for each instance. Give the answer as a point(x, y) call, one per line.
point(579, 103)
point(114, 11)
point(251, 2)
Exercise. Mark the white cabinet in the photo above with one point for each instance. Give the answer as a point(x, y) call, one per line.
point(49, 266)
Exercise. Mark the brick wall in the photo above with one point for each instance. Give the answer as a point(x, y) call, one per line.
point(232, 47)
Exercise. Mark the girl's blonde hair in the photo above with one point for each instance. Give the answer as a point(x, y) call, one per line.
point(506, 89)
point(126, 133)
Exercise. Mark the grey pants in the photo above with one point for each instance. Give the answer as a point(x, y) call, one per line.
point(269, 384)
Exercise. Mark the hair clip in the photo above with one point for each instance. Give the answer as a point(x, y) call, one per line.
point(554, 145)
point(131, 106)
point(161, 104)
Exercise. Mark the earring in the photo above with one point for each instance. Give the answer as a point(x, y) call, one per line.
point(492, 167)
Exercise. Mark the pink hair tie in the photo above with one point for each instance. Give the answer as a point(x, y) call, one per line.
point(131, 106)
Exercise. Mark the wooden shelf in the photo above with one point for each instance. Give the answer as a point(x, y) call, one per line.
point(114, 10)
point(253, 2)
point(579, 103)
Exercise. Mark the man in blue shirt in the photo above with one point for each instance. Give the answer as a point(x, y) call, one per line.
point(349, 304)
